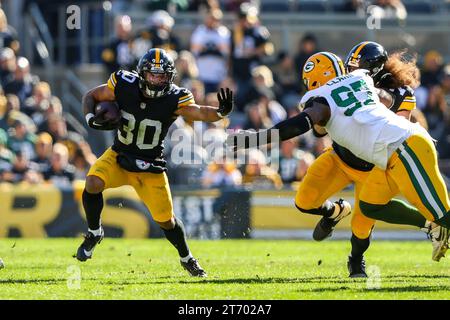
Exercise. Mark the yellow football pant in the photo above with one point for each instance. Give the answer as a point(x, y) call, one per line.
point(413, 171)
point(327, 176)
point(152, 188)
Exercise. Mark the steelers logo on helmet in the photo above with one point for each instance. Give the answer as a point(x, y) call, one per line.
point(156, 71)
point(320, 68)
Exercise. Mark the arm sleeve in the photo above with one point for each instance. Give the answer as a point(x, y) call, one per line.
point(185, 98)
point(286, 129)
point(112, 81)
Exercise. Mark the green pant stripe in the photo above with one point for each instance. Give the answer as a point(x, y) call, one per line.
point(416, 185)
point(425, 177)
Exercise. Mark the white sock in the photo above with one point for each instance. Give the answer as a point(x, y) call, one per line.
point(96, 232)
point(337, 210)
point(186, 259)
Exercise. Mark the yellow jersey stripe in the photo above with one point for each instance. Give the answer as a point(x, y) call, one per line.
point(114, 78)
point(183, 100)
point(407, 106)
point(358, 50)
point(111, 84)
point(186, 96)
point(186, 103)
point(157, 56)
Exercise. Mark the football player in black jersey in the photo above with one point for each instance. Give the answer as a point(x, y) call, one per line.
point(149, 103)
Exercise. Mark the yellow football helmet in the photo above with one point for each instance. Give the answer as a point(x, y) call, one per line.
point(320, 68)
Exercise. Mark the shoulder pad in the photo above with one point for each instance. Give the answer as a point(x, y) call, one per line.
point(122, 76)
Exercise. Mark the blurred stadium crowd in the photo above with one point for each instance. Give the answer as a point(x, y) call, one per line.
point(38, 143)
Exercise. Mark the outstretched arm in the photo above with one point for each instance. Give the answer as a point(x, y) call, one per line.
point(195, 112)
point(317, 113)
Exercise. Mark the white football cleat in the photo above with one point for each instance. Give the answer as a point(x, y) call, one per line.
point(439, 240)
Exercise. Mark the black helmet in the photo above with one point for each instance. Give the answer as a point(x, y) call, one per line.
point(155, 63)
point(367, 55)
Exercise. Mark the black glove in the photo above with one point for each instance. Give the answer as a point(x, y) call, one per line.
point(226, 103)
point(98, 123)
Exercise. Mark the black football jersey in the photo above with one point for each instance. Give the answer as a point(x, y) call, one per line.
point(145, 121)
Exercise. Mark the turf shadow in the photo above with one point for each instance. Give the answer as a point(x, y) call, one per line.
point(32, 281)
point(400, 289)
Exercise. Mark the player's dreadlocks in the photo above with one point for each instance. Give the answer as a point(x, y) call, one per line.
point(403, 69)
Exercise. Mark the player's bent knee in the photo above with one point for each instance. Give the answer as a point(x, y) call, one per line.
point(94, 184)
point(304, 205)
point(362, 232)
point(167, 225)
point(371, 210)
point(314, 211)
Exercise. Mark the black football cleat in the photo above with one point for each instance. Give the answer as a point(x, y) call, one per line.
point(194, 269)
point(356, 267)
point(86, 249)
point(325, 226)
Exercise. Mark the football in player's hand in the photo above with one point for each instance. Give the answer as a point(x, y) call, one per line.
point(107, 112)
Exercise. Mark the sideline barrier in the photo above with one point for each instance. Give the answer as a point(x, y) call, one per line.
point(36, 211)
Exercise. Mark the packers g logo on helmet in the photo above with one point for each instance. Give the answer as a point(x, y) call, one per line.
point(320, 68)
point(308, 66)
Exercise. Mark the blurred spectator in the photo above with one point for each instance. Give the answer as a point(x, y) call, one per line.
point(288, 78)
point(82, 160)
point(6, 156)
point(57, 128)
point(210, 44)
point(23, 82)
point(7, 65)
point(157, 34)
point(60, 172)
point(259, 174)
point(250, 44)
point(262, 82)
point(264, 112)
point(8, 36)
point(432, 69)
point(13, 113)
point(289, 160)
point(307, 47)
point(118, 54)
point(43, 148)
point(388, 9)
point(221, 174)
point(21, 140)
point(355, 6)
point(203, 5)
point(36, 105)
point(186, 69)
point(22, 170)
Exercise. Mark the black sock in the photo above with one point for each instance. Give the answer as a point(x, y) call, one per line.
point(93, 206)
point(177, 237)
point(326, 209)
point(359, 246)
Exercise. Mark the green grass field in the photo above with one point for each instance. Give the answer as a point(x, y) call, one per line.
point(241, 269)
